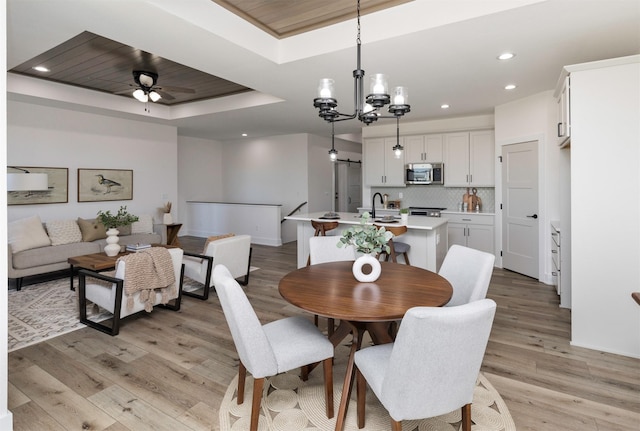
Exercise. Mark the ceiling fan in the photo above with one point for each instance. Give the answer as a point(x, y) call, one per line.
point(148, 90)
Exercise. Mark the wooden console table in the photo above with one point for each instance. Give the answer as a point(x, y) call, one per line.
point(172, 234)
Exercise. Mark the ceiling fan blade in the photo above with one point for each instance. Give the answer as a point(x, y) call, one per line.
point(163, 94)
point(176, 89)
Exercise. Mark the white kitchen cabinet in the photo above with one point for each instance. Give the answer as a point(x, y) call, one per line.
point(564, 113)
point(423, 148)
point(469, 159)
point(471, 230)
point(381, 168)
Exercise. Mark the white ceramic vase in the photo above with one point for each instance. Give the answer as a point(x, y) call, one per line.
point(167, 218)
point(404, 218)
point(366, 259)
point(112, 248)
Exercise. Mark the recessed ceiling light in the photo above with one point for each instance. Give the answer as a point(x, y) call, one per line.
point(41, 69)
point(244, 135)
point(506, 56)
point(510, 87)
point(444, 106)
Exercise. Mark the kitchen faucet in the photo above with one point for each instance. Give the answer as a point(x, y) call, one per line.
point(373, 204)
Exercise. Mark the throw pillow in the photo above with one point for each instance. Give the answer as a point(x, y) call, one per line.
point(124, 230)
point(91, 229)
point(26, 234)
point(214, 238)
point(63, 232)
point(143, 225)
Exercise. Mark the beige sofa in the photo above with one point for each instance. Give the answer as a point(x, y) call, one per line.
point(38, 248)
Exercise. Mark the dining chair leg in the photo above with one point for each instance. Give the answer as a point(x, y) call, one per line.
point(242, 375)
point(396, 425)
point(258, 385)
point(331, 326)
point(466, 417)
point(304, 372)
point(328, 386)
point(361, 397)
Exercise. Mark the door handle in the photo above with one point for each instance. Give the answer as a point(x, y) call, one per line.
point(533, 216)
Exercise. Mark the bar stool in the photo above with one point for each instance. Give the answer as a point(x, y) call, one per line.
point(397, 247)
point(321, 229)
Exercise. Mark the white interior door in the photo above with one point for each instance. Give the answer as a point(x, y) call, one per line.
point(520, 222)
point(354, 187)
point(348, 186)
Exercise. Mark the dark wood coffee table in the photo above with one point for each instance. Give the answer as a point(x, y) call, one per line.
point(94, 262)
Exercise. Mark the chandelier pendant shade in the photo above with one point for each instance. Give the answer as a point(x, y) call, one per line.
point(367, 109)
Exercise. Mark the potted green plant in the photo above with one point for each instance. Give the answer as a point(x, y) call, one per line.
point(370, 241)
point(121, 218)
point(111, 222)
point(404, 215)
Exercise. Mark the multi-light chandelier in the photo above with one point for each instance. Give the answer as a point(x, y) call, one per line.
point(367, 110)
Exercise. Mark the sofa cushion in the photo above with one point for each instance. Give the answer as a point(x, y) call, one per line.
point(63, 232)
point(124, 230)
point(91, 229)
point(26, 234)
point(143, 225)
point(53, 254)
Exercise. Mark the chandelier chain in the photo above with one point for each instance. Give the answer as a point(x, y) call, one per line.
point(358, 18)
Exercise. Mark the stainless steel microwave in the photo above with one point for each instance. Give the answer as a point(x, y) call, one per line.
point(424, 173)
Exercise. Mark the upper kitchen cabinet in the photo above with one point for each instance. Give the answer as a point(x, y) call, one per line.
point(381, 168)
point(563, 98)
point(423, 148)
point(469, 159)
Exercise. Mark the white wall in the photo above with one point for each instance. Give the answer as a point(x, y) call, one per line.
point(6, 418)
point(605, 252)
point(51, 137)
point(199, 175)
point(532, 119)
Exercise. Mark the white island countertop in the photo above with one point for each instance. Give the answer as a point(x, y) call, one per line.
point(415, 222)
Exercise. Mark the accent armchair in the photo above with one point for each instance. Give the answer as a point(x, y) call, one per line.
point(109, 292)
point(432, 367)
point(234, 252)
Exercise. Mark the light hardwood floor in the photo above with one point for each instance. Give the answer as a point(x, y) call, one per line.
point(169, 370)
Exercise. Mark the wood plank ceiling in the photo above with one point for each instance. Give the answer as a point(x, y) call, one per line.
point(97, 63)
point(285, 18)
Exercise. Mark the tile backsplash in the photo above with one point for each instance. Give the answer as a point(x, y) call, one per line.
point(435, 196)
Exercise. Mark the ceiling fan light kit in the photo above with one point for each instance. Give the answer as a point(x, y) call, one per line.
point(366, 109)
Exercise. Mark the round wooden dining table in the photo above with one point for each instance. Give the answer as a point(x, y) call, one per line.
point(331, 290)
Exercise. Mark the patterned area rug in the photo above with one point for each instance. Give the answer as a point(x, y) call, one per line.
point(289, 404)
point(45, 310)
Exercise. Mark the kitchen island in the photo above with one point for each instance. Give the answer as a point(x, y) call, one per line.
point(426, 235)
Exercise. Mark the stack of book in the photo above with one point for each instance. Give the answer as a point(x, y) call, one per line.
point(137, 247)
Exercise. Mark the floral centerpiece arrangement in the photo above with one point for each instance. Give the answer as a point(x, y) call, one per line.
point(369, 240)
point(366, 238)
point(122, 218)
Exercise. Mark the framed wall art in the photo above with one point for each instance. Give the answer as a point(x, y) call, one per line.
point(96, 185)
point(57, 191)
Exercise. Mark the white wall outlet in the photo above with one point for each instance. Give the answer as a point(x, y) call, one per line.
point(400, 195)
point(437, 238)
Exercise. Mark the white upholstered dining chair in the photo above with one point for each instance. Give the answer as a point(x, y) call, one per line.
point(432, 367)
point(469, 272)
point(273, 348)
point(324, 249)
point(109, 292)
